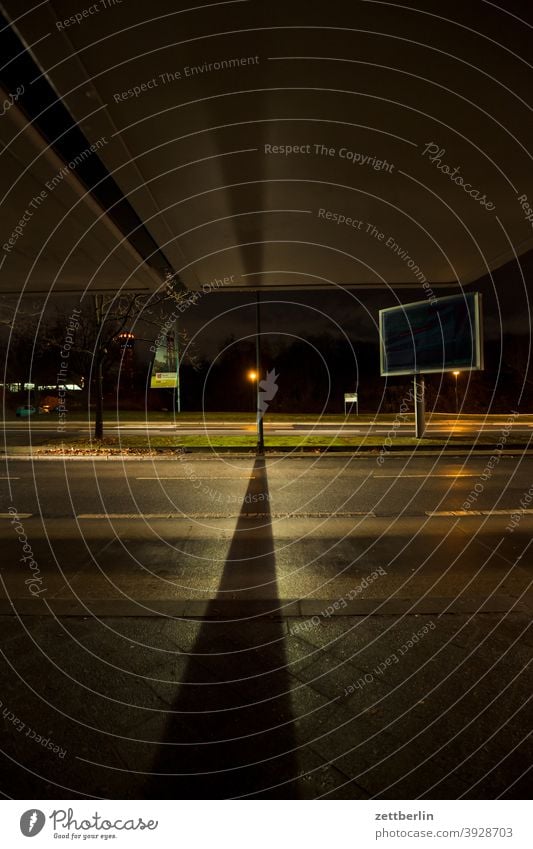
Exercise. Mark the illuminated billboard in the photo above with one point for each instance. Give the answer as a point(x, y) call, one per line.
point(432, 336)
point(165, 373)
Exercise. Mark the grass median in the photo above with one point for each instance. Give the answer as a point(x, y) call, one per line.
point(247, 442)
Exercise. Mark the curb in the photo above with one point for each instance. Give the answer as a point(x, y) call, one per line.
point(340, 450)
point(247, 609)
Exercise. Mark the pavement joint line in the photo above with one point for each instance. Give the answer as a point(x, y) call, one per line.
point(436, 514)
point(16, 515)
point(506, 512)
point(240, 515)
point(260, 608)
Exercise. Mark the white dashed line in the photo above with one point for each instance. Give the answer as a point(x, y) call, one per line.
point(480, 512)
point(429, 476)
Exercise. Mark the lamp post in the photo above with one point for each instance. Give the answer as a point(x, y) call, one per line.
point(252, 376)
point(456, 375)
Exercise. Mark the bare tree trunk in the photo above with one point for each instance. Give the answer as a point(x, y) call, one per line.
point(98, 372)
point(99, 391)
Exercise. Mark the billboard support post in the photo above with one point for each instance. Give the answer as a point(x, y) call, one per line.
point(420, 405)
point(177, 400)
point(260, 434)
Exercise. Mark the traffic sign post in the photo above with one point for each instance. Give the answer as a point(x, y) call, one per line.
point(351, 398)
point(419, 389)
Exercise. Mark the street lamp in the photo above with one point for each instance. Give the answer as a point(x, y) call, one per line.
point(456, 375)
point(252, 376)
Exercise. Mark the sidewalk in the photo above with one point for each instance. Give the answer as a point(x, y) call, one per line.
point(352, 708)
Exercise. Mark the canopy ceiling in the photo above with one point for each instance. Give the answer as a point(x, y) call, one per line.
point(243, 132)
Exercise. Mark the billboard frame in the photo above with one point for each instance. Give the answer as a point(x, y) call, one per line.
point(477, 330)
point(160, 379)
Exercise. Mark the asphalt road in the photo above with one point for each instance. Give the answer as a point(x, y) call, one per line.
point(164, 528)
point(289, 628)
point(39, 431)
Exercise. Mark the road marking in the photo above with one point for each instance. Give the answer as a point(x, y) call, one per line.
point(480, 512)
point(16, 515)
point(2, 478)
point(430, 477)
point(240, 515)
point(194, 477)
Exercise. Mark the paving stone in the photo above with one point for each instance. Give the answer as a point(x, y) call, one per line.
point(261, 712)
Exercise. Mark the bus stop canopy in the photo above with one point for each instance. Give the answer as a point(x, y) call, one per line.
point(279, 145)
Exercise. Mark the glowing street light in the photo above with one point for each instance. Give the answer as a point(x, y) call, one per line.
point(456, 375)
